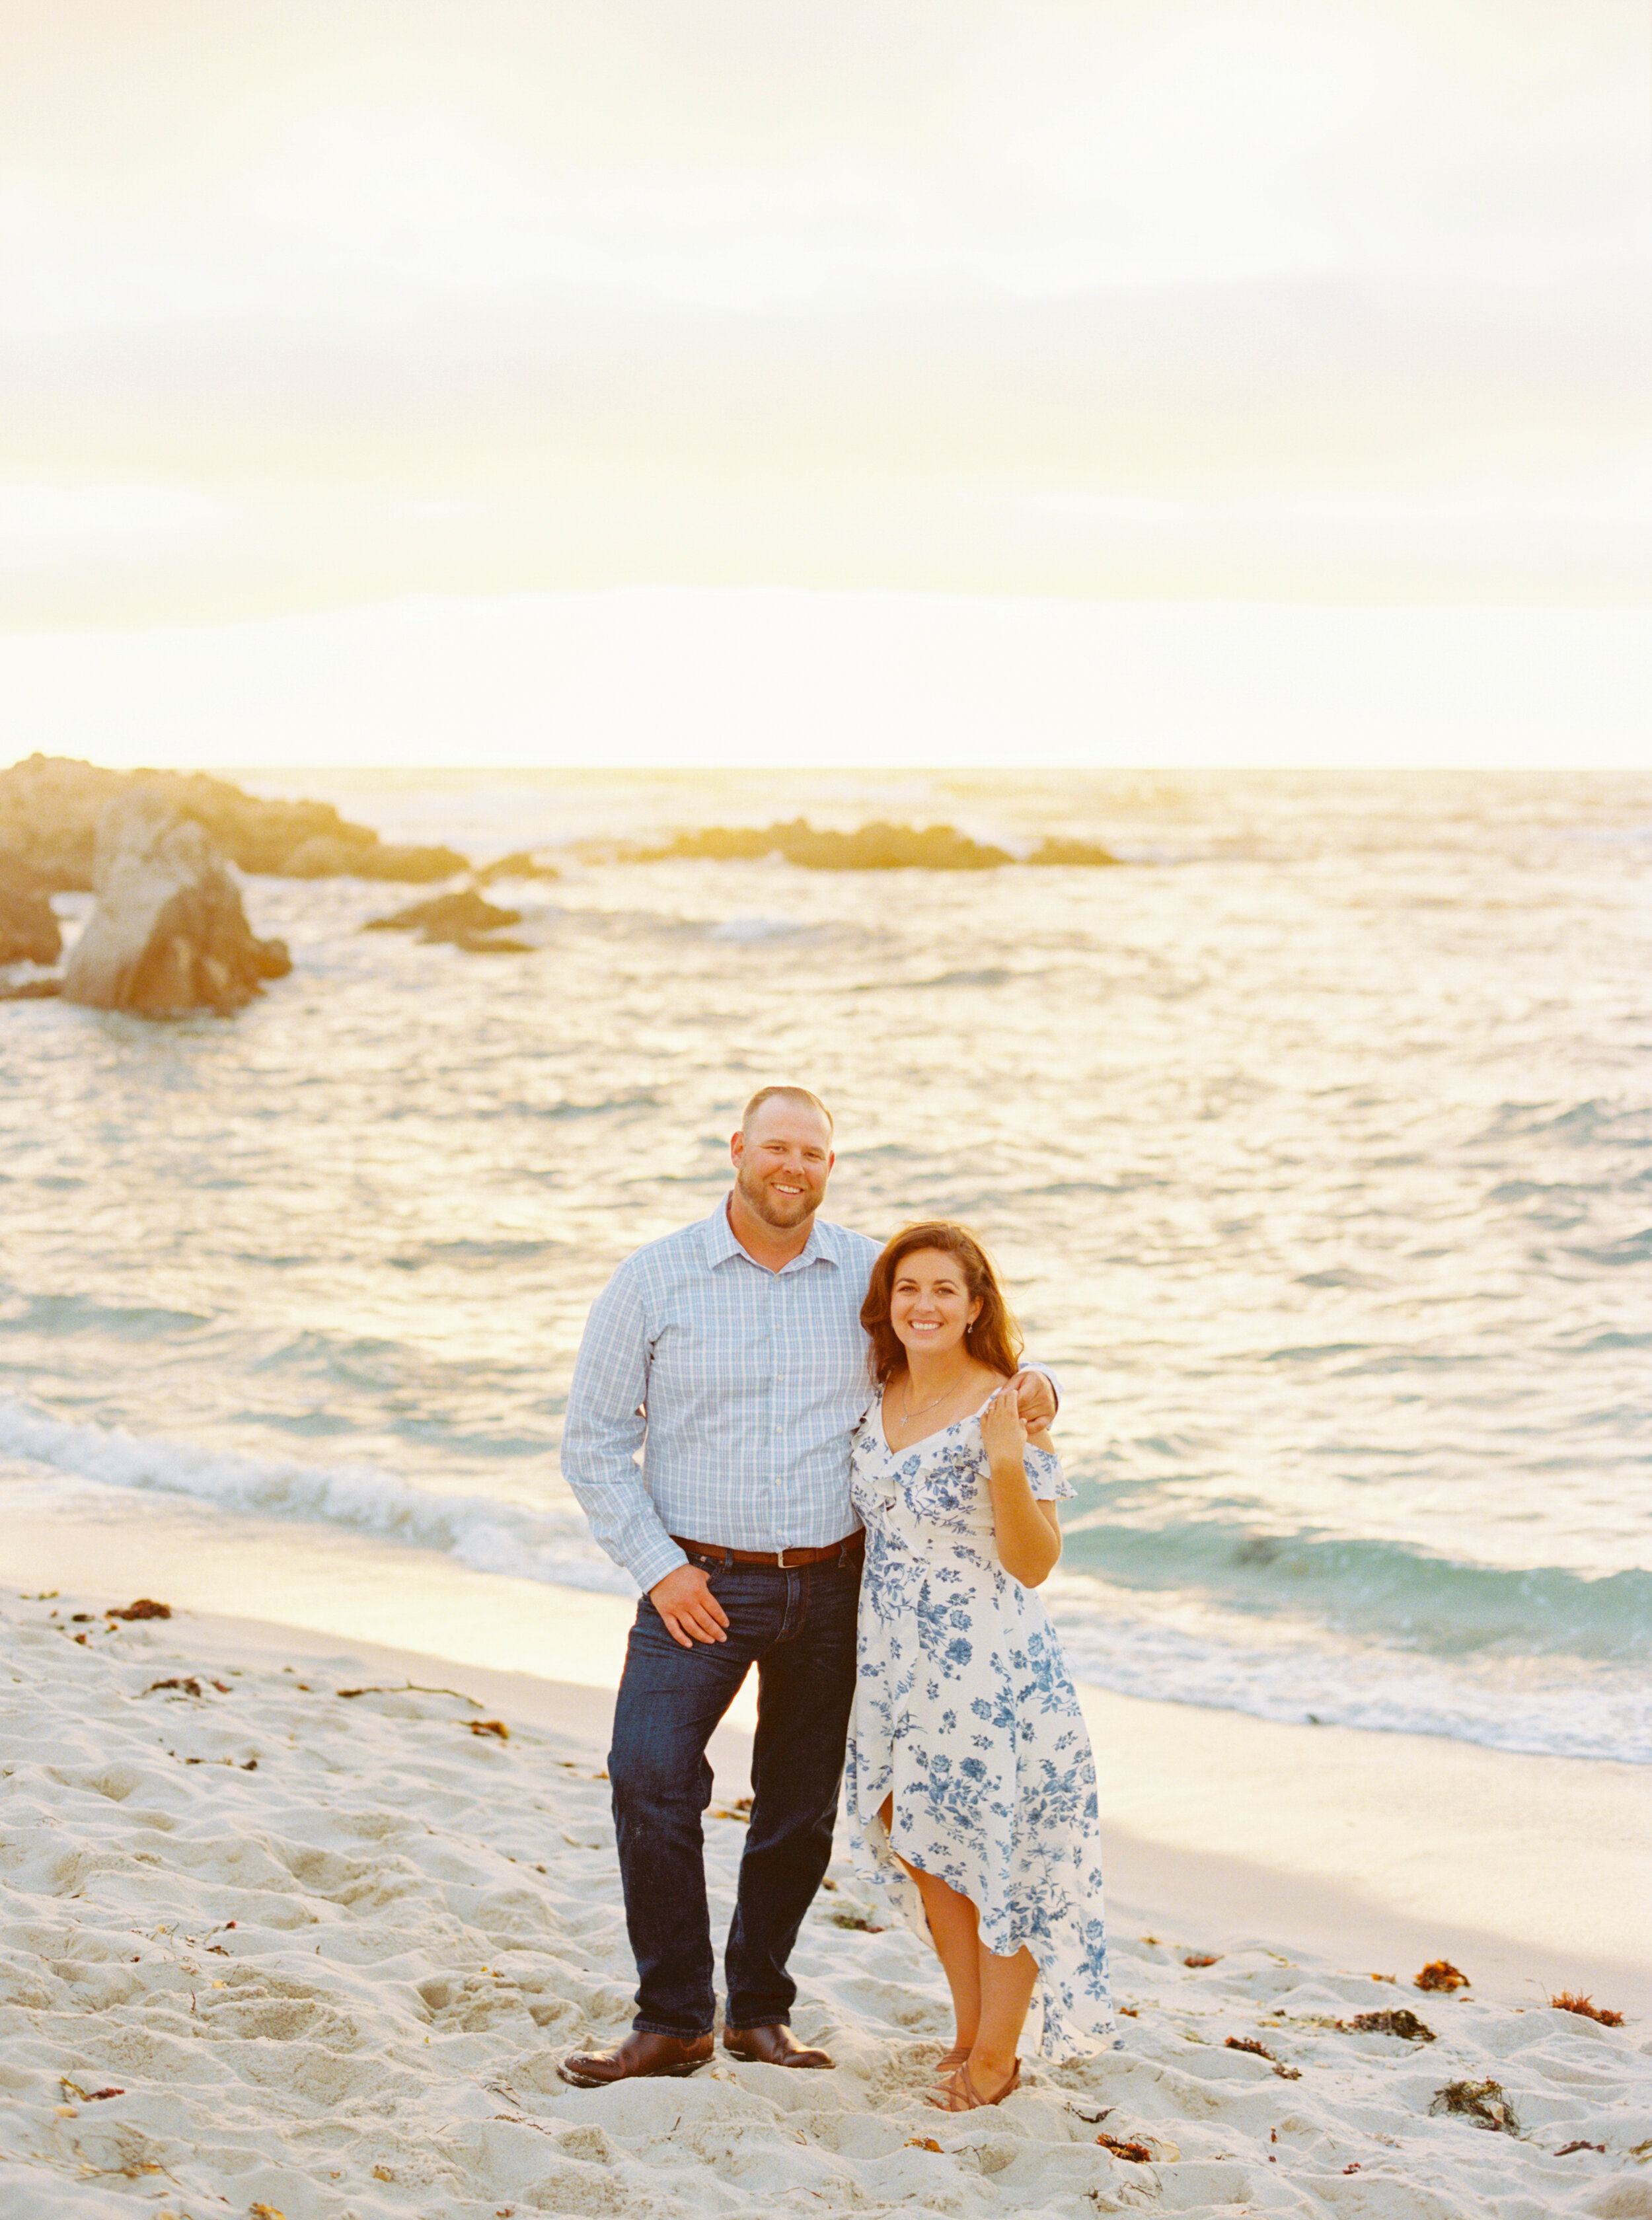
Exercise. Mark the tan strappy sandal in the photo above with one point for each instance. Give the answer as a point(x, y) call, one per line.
point(950, 2060)
point(962, 2096)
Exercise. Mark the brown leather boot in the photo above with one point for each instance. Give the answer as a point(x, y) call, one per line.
point(639, 2055)
point(772, 2046)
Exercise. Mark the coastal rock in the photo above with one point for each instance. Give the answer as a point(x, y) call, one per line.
point(465, 917)
point(492, 944)
point(1084, 854)
point(333, 855)
point(519, 864)
point(325, 855)
point(30, 932)
point(50, 807)
point(412, 866)
point(874, 847)
point(169, 934)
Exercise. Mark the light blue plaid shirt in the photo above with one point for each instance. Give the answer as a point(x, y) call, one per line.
point(745, 1385)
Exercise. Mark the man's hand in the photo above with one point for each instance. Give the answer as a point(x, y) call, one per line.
point(684, 1600)
point(1035, 1399)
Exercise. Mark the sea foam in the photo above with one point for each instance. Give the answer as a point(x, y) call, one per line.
point(1297, 1674)
point(487, 1535)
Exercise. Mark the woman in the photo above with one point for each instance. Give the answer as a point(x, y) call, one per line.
point(971, 1781)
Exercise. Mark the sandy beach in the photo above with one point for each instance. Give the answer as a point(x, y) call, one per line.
point(271, 1948)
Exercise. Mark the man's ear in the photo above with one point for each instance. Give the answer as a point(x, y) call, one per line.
point(736, 1147)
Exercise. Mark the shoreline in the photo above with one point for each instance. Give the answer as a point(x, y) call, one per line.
point(1379, 1851)
point(1318, 1901)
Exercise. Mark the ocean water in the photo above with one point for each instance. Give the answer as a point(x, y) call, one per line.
point(1315, 1145)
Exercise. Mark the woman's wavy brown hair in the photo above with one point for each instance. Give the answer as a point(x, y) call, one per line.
point(994, 1338)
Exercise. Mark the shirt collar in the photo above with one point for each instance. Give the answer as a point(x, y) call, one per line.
point(822, 1246)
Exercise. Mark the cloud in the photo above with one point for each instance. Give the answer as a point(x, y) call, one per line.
point(744, 150)
point(36, 518)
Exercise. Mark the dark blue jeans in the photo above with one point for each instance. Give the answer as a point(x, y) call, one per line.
point(798, 1629)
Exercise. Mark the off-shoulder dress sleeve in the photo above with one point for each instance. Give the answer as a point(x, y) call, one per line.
point(1044, 1476)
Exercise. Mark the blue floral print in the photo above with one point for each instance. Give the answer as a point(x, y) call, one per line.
point(965, 1713)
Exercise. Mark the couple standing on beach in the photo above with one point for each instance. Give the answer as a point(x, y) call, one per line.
point(804, 1407)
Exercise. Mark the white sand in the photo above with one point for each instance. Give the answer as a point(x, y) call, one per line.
point(1381, 1850)
point(337, 1981)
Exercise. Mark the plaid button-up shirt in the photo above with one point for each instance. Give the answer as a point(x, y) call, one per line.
point(739, 1387)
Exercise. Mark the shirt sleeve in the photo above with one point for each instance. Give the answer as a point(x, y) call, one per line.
point(1044, 1476)
point(606, 1425)
point(1031, 1364)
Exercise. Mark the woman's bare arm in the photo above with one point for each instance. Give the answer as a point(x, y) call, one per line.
point(1027, 1532)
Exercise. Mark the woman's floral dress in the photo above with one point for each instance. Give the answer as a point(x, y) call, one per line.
point(965, 1712)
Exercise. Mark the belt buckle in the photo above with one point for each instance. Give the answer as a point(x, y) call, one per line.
point(780, 1561)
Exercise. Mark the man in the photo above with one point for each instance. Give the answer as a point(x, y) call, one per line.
point(732, 1356)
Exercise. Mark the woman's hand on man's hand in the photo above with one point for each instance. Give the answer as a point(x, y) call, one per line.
point(1035, 1399)
point(1003, 1432)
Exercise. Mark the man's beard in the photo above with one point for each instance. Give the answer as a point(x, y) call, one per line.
point(762, 1203)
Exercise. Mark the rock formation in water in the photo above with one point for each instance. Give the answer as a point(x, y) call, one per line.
point(1085, 855)
point(29, 927)
point(50, 807)
point(519, 864)
point(465, 917)
point(169, 935)
point(874, 847)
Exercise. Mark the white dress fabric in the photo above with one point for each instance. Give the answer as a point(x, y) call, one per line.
point(965, 1712)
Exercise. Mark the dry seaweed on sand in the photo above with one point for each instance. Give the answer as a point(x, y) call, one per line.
point(74, 2094)
point(1200, 1958)
point(1137, 2154)
point(144, 1607)
point(1261, 2050)
point(1440, 1974)
point(1586, 2008)
point(1400, 2022)
point(1483, 2102)
point(416, 1688)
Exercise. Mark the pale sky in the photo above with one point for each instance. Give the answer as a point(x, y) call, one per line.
point(317, 305)
point(314, 307)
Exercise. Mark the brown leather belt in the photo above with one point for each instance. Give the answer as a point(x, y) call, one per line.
point(783, 1561)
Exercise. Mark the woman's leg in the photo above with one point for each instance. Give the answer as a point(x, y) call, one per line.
point(990, 1993)
point(1006, 1986)
point(954, 1929)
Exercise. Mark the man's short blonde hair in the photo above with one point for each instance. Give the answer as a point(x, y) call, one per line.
point(787, 1095)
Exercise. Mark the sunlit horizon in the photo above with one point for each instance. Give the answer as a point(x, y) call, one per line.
point(664, 677)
